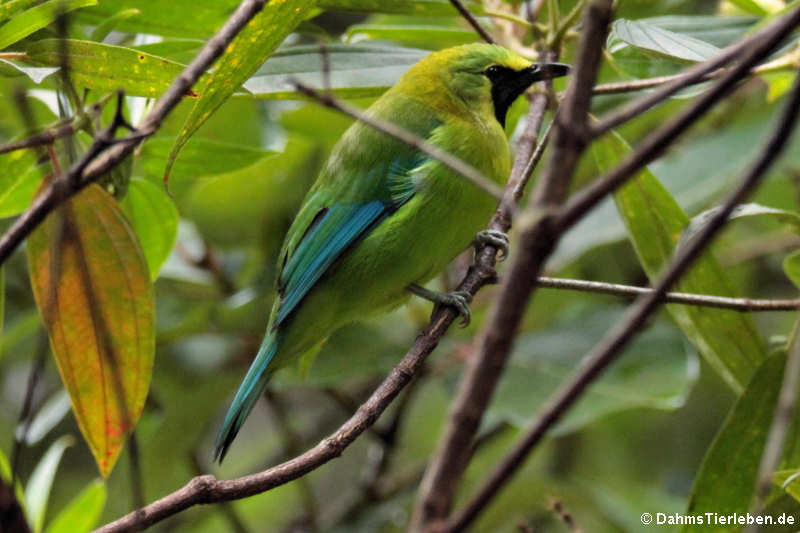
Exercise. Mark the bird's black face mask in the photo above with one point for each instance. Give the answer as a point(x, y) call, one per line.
point(508, 84)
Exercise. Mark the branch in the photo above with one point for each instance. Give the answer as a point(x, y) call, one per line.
point(472, 21)
point(767, 37)
point(702, 300)
point(607, 350)
point(536, 242)
point(449, 160)
point(621, 87)
point(106, 152)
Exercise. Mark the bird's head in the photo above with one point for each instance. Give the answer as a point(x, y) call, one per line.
point(483, 76)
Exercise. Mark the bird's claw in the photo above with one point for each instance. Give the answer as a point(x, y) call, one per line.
point(494, 238)
point(459, 300)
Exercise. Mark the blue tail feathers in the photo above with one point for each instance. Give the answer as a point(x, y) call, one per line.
point(251, 388)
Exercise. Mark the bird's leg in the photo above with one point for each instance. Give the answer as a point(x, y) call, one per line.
point(492, 237)
point(460, 300)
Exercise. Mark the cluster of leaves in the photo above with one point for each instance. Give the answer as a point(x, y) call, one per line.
point(241, 151)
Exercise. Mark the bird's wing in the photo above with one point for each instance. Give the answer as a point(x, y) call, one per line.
point(331, 225)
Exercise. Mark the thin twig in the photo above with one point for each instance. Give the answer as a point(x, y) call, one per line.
point(57, 131)
point(449, 160)
point(473, 21)
point(701, 300)
point(607, 350)
point(621, 87)
point(26, 413)
point(536, 242)
point(782, 420)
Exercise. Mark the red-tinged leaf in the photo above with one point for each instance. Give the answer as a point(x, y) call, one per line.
point(99, 313)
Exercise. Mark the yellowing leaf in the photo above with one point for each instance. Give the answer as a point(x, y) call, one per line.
point(99, 313)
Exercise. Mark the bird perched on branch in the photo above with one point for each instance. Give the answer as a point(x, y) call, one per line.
point(383, 217)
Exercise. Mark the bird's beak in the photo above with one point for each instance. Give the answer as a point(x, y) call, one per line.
point(546, 71)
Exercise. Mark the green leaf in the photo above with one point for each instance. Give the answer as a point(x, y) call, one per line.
point(36, 18)
point(656, 372)
point(102, 30)
point(655, 39)
point(37, 493)
point(164, 18)
point(105, 67)
point(100, 317)
point(728, 340)
point(727, 477)
point(81, 514)
point(154, 218)
point(716, 30)
point(12, 7)
point(791, 267)
point(200, 157)
point(443, 36)
point(19, 178)
point(355, 71)
point(241, 59)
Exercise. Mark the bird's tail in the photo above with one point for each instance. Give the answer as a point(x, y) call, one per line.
point(251, 388)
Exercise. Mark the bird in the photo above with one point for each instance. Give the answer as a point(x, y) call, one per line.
point(383, 217)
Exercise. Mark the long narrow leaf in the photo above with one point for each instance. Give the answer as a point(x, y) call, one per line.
point(37, 18)
point(37, 493)
point(728, 340)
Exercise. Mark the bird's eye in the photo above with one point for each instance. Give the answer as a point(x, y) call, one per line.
point(493, 72)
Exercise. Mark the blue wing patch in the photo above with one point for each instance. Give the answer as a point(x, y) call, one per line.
point(337, 227)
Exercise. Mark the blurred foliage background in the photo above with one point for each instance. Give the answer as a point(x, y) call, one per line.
point(635, 443)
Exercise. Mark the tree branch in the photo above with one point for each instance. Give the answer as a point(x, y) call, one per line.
point(536, 242)
point(702, 300)
point(607, 350)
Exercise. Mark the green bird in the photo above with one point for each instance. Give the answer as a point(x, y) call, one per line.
point(383, 218)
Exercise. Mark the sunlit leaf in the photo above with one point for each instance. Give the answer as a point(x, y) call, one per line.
point(728, 340)
point(727, 476)
point(99, 312)
point(37, 493)
point(242, 57)
point(36, 18)
point(154, 217)
point(719, 31)
point(655, 39)
point(106, 67)
point(81, 514)
point(355, 70)
point(12, 7)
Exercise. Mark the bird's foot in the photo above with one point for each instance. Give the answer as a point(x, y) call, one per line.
point(459, 300)
point(495, 238)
